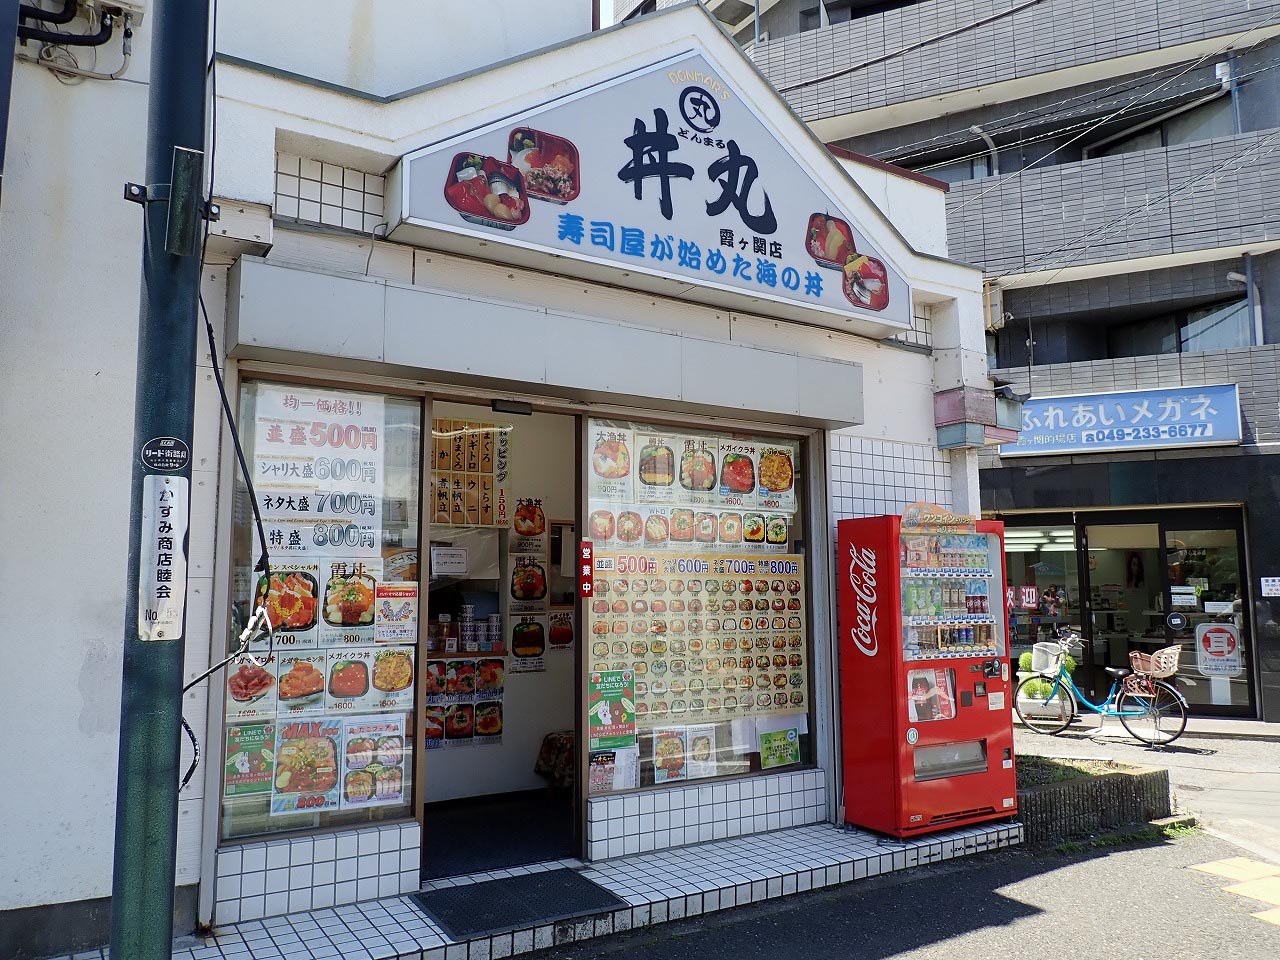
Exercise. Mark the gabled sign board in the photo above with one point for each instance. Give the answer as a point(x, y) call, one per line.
point(665, 171)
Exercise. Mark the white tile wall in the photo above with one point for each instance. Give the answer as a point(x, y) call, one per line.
point(317, 192)
point(275, 877)
point(678, 816)
point(874, 477)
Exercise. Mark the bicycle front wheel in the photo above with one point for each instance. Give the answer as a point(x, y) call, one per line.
point(1043, 706)
point(1155, 714)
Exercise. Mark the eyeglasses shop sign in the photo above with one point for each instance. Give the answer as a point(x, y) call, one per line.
point(1129, 420)
point(665, 171)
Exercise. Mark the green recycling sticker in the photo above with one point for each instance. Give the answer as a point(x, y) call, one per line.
point(779, 748)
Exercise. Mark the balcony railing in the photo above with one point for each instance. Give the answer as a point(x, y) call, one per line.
point(1014, 41)
point(1179, 199)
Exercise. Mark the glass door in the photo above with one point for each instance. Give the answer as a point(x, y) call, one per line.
point(1126, 604)
point(1044, 577)
point(1206, 586)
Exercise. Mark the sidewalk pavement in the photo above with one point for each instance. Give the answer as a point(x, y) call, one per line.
point(1150, 900)
point(1226, 772)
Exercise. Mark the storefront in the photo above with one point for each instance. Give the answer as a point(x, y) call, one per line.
point(549, 494)
point(1138, 551)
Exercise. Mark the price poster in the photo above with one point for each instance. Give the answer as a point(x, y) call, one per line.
point(348, 609)
point(373, 761)
point(670, 754)
point(251, 689)
point(250, 759)
point(393, 678)
point(656, 467)
point(300, 687)
point(698, 483)
point(469, 470)
point(318, 470)
point(292, 601)
point(612, 472)
point(529, 528)
point(611, 715)
point(528, 587)
point(464, 701)
point(707, 636)
point(701, 742)
point(738, 461)
point(307, 765)
point(560, 630)
point(350, 686)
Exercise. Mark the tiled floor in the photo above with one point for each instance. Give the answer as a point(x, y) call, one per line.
point(660, 886)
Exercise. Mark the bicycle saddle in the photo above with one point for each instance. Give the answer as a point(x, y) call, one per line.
point(1118, 672)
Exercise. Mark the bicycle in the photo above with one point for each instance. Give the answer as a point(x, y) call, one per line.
point(1152, 710)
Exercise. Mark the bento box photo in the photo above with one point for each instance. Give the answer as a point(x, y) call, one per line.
point(487, 191)
point(549, 164)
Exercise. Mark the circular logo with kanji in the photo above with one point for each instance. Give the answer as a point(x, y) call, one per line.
point(699, 109)
point(1218, 642)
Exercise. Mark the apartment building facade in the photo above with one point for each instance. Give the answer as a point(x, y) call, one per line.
point(1112, 169)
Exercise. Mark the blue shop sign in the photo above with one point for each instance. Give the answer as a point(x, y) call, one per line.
point(1129, 420)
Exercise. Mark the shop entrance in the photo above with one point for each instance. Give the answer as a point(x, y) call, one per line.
point(1140, 580)
point(499, 681)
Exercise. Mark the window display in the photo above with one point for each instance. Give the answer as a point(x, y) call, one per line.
point(698, 647)
point(319, 729)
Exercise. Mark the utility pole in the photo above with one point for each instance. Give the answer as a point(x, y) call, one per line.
point(142, 887)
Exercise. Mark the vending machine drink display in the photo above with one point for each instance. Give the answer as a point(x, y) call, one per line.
point(925, 683)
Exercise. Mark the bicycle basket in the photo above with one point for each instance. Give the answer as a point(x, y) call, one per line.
point(1162, 663)
point(1046, 658)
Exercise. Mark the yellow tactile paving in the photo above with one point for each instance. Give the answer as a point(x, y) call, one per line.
point(1271, 916)
point(1239, 869)
point(1266, 889)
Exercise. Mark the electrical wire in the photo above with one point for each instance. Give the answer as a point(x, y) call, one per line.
point(1096, 236)
point(1124, 109)
point(259, 622)
point(895, 154)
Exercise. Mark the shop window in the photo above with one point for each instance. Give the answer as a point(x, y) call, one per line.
point(698, 647)
point(320, 730)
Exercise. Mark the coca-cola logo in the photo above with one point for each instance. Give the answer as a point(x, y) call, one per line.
point(862, 579)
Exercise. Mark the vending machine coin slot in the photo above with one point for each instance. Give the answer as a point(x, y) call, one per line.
point(980, 689)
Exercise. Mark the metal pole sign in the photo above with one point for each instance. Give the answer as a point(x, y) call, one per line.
point(142, 890)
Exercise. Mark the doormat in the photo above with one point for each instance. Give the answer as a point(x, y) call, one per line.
point(515, 903)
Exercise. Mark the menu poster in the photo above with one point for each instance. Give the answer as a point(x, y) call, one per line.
point(318, 470)
point(670, 754)
point(251, 759)
point(776, 477)
point(529, 528)
point(528, 643)
point(433, 722)
point(738, 460)
point(292, 601)
point(488, 719)
point(348, 609)
point(393, 678)
point(709, 637)
point(528, 588)
point(696, 468)
point(300, 683)
point(373, 761)
point(656, 466)
point(435, 682)
point(702, 750)
point(251, 689)
point(459, 724)
point(395, 618)
point(611, 473)
point(307, 765)
point(560, 630)
point(469, 465)
point(610, 770)
point(779, 748)
point(611, 709)
point(350, 689)
point(688, 528)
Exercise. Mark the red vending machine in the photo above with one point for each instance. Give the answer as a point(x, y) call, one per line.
point(926, 695)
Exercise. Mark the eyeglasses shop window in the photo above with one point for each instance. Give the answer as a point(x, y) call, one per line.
point(699, 652)
point(319, 722)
